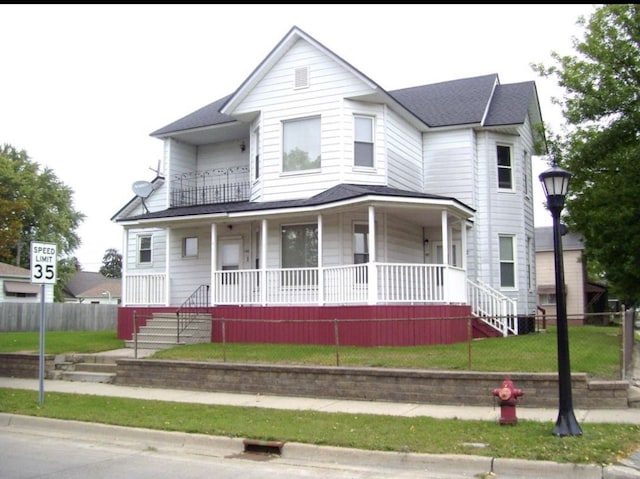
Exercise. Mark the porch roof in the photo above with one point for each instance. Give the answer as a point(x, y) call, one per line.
point(347, 193)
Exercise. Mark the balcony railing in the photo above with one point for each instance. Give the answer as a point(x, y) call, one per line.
point(218, 185)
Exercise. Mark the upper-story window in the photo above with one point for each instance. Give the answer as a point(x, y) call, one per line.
point(301, 144)
point(363, 141)
point(505, 169)
point(144, 249)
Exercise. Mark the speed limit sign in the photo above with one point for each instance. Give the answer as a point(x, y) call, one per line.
point(43, 263)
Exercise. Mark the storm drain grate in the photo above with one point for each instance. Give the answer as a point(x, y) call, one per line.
point(263, 447)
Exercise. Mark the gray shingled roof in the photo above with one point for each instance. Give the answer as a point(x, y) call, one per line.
point(88, 283)
point(337, 193)
point(206, 116)
point(451, 103)
point(544, 240)
point(15, 271)
point(457, 102)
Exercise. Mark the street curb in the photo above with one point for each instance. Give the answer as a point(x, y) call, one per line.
point(218, 446)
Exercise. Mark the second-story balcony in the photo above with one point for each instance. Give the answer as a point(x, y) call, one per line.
point(217, 185)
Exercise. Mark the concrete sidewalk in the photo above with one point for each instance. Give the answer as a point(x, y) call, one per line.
point(489, 413)
point(509, 468)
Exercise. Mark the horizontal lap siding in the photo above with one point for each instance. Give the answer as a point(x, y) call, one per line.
point(277, 100)
point(404, 154)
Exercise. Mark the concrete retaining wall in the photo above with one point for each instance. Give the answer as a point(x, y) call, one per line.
point(375, 384)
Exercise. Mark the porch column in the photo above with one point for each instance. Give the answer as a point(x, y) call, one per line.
point(263, 262)
point(463, 244)
point(320, 264)
point(125, 256)
point(167, 266)
point(214, 262)
point(445, 255)
point(372, 271)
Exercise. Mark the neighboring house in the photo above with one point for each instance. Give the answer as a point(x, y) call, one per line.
point(312, 188)
point(581, 296)
point(90, 287)
point(16, 286)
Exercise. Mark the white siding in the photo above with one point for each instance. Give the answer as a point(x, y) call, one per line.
point(158, 251)
point(186, 274)
point(404, 154)
point(501, 212)
point(276, 99)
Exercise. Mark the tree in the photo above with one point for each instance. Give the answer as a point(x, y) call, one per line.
point(111, 264)
point(35, 206)
point(601, 144)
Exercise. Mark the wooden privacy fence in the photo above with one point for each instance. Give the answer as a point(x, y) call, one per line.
point(58, 317)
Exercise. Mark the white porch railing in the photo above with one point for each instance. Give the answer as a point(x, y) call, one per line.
point(349, 284)
point(145, 289)
point(492, 307)
point(396, 283)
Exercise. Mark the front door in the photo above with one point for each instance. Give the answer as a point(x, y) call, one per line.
point(229, 258)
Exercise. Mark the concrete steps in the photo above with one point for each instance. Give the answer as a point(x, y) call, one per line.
point(85, 368)
point(160, 332)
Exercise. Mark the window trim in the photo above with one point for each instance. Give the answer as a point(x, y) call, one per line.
point(499, 167)
point(512, 261)
point(284, 124)
point(139, 250)
point(185, 247)
point(371, 142)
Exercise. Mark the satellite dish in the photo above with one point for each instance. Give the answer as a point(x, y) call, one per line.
point(142, 188)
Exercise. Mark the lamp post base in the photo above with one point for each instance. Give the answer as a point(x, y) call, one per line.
point(567, 425)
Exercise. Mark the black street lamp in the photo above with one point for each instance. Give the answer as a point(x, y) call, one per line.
point(555, 182)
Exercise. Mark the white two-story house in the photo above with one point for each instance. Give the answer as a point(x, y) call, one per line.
point(312, 192)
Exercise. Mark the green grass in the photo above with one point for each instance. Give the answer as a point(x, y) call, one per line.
point(599, 444)
point(594, 350)
point(60, 342)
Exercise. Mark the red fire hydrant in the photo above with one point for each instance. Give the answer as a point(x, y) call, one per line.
point(508, 397)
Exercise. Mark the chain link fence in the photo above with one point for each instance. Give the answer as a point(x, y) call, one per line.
point(595, 342)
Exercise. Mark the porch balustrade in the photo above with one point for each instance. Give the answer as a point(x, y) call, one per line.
point(335, 285)
point(145, 289)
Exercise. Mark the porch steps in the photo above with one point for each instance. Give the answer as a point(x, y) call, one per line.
point(85, 368)
point(160, 332)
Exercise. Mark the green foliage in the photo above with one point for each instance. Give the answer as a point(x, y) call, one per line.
point(111, 264)
point(601, 147)
point(35, 206)
point(531, 440)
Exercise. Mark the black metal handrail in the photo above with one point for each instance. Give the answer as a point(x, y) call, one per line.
point(195, 304)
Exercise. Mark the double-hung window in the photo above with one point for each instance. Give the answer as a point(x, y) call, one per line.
point(505, 168)
point(507, 262)
point(363, 141)
point(301, 144)
point(144, 249)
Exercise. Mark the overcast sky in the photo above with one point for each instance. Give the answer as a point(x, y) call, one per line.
point(81, 87)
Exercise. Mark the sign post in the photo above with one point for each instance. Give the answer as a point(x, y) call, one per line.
point(43, 271)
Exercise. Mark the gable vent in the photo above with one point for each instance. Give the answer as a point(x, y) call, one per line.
point(301, 77)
